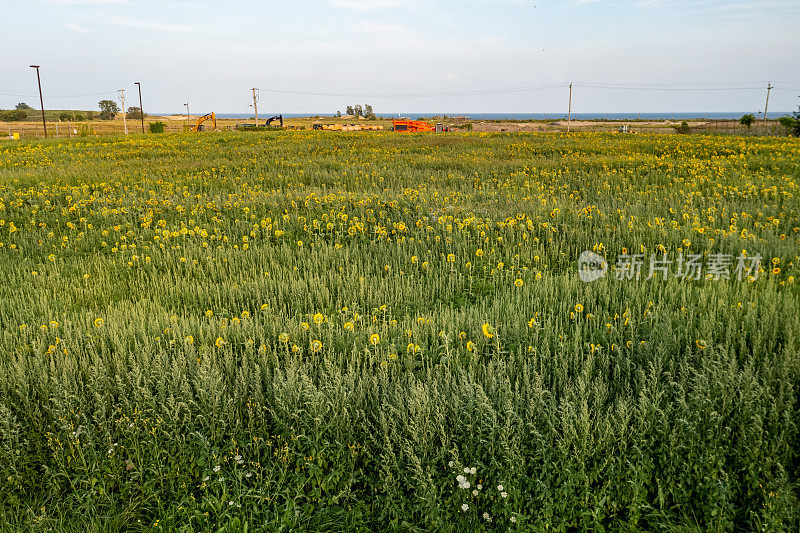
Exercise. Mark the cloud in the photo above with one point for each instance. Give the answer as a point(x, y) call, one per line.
point(151, 25)
point(365, 5)
point(76, 28)
point(86, 2)
point(716, 5)
point(381, 28)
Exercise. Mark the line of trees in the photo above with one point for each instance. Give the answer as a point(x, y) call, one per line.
point(358, 111)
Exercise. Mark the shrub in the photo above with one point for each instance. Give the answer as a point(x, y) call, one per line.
point(797, 123)
point(683, 129)
point(63, 117)
point(157, 127)
point(788, 123)
point(16, 115)
point(747, 120)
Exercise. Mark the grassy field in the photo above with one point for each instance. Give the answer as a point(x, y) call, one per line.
point(341, 331)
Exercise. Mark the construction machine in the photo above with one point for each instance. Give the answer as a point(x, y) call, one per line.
point(273, 119)
point(415, 126)
point(347, 127)
point(200, 126)
point(412, 125)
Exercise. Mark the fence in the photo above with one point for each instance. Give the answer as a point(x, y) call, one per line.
point(27, 130)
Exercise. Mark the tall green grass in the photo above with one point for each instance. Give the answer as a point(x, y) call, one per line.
point(161, 366)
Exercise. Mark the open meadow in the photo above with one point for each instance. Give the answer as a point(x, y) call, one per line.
point(301, 330)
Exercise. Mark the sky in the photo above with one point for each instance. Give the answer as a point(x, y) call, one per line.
point(318, 56)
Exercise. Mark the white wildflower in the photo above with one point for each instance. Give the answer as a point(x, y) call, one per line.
point(450, 464)
point(487, 517)
point(466, 470)
point(217, 468)
point(503, 494)
point(500, 488)
point(472, 470)
point(480, 487)
point(513, 519)
point(474, 492)
point(465, 507)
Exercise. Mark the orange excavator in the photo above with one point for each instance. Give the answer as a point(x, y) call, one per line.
point(200, 126)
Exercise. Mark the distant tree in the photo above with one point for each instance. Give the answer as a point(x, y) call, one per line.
point(368, 112)
point(338, 113)
point(157, 127)
point(108, 108)
point(797, 122)
point(788, 123)
point(349, 110)
point(64, 117)
point(16, 115)
point(23, 105)
point(77, 116)
point(90, 115)
point(359, 112)
point(747, 120)
point(135, 112)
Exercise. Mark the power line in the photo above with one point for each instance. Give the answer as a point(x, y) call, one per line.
point(59, 95)
point(717, 86)
point(419, 95)
point(656, 88)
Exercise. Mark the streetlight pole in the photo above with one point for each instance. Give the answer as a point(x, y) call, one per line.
point(187, 115)
point(41, 100)
point(141, 109)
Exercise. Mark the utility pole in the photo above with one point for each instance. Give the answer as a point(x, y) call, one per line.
point(569, 113)
point(141, 109)
point(255, 103)
point(124, 118)
point(41, 100)
point(187, 114)
point(769, 88)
